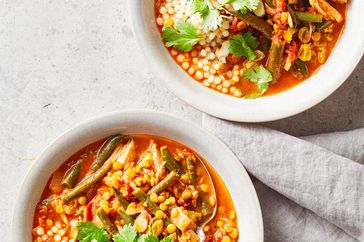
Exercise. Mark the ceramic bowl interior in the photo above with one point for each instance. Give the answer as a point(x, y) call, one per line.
point(141, 122)
point(330, 76)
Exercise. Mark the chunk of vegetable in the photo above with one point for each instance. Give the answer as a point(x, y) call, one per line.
point(72, 174)
point(105, 151)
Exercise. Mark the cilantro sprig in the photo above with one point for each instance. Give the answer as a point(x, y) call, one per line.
point(211, 16)
point(243, 45)
point(244, 6)
point(260, 76)
point(183, 37)
point(89, 232)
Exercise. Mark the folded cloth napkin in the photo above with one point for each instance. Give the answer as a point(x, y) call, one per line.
point(310, 188)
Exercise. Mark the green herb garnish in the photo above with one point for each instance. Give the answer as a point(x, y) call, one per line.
point(244, 6)
point(243, 45)
point(210, 15)
point(89, 232)
point(183, 37)
point(260, 76)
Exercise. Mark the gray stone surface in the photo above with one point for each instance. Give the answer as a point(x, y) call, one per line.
point(62, 62)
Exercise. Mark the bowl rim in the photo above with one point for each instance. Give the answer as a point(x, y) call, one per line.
point(86, 127)
point(264, 109)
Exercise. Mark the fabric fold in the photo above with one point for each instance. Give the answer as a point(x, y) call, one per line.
point(329, 185)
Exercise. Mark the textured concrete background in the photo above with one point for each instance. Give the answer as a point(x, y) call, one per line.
point(62, 62)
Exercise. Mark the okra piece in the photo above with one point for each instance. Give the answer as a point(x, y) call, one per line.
point(105, 151)
point(275, 59)
point(309, 17)
point(301, 67)
point(120, 198)
point(128, 219)
point(108, 225)
point(163, 184)
point(142, 196)
point(321, 26)
point(257, 23)
point(171, 163)
point(72, 174)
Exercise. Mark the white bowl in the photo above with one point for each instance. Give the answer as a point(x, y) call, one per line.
point(141, 122)
point(331, 75)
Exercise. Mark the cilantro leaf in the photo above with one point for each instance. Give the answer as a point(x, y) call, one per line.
point(213, 20)
point(151, 238)
point(210, 15)
point(250, 40)
point(243, 45)
point(127, 234)
point(244, 6)
point(183, 37)
point(201, 7)
point(89, 232)
point(260, 76)
point(166, 239)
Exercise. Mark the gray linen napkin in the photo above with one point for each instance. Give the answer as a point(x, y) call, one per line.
point(310, 188)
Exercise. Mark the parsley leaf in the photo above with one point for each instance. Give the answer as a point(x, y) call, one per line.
point(166, 239)
point(243, 45)
point(89, 232)
point(260, 76)
point(183, 37)
point(127, 234)
point(210, 15)
point(244, 6)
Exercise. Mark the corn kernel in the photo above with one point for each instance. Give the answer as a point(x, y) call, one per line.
point(226, 239)
point(232, 215)
point(287, 36)
point(82, 200)
point(168, 22)
point(171, 228)
point(163, 207)
point(234, 234)
point(131, 172)
point(170, 201)
point(174, 213)
point(204, 188)
point(220, 223)
point(161, 198)
point(185, 179)
point(284, 17)
point(206, 228)
point(117, 166)
point(154, 197)
point(106, 196)
point(106, 208)
point(186, 194)
point(159, 214)
point(212, 201)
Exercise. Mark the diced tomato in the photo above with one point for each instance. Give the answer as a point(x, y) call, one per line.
point(87, 215)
